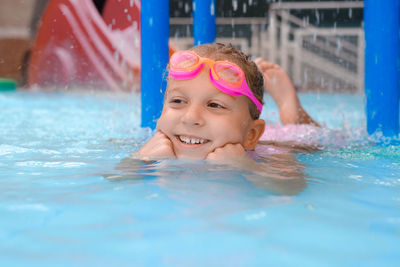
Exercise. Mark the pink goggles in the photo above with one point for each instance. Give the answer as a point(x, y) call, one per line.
point(224, 75)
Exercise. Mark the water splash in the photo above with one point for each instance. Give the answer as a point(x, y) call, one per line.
point(187, 8)
point(234, 5)
point(317, 17)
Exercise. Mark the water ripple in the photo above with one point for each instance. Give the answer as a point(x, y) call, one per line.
point(49, 164)
point(27, 207)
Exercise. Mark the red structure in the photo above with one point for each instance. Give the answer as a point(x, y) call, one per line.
point(78, 46)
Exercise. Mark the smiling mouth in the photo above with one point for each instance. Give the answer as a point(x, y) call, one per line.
point(190, 140)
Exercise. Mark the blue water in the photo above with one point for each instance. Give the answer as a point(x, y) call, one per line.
point(60, 203)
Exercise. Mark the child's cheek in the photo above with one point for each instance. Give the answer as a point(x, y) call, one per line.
point(228, 135)
point(161, 123)
point(166, 123)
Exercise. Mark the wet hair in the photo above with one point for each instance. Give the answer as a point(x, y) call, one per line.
point(254, 78)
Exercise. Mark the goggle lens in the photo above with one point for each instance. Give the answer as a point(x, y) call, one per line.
point(183, 61)
point(228, 73)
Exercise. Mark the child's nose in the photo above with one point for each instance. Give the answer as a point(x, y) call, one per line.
point(193, 115)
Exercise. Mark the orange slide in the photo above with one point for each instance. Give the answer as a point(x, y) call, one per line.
point(78, 46)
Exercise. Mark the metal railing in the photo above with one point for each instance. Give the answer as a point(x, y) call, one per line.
point(252, 45)
point(325, 53)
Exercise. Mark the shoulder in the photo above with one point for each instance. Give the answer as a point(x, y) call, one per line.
point(265, 150)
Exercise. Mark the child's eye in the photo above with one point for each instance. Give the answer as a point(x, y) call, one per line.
point(176, 101)
point(215, 105)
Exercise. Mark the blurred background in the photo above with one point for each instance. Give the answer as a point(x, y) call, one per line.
point(319, 43)
point(17, 33)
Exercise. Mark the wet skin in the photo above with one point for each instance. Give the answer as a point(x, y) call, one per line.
point(199, 119)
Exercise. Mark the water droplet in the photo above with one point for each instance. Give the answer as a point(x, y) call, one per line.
point(317, 18)
point(187, 7)
point(338, 46)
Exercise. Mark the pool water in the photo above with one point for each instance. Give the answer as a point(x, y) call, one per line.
point(60, 204)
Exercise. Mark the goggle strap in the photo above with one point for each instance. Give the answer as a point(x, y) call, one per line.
point(222, 87)
point(247, 92)
point(186, 75)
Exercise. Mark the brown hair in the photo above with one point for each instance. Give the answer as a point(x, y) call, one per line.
point(254, 78)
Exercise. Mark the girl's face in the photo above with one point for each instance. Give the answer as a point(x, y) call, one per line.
point(199, 118)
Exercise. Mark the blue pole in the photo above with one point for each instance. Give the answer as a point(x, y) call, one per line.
point(381, 25)
point(154, 53)
point(204, 21)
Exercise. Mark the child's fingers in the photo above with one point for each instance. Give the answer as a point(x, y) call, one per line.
point(228, 151)
point(264, 64)
point(162, 136)
point(159, 133)
point(163, 150)
point(159, 146)
point(212, 156)
point(259, 60)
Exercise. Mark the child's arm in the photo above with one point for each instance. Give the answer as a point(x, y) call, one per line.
point(278, 84)
point(158, 147)
point(281, 173)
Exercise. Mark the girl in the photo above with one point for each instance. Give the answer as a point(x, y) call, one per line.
point(213, 103)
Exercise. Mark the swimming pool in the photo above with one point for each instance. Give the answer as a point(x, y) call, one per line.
point(58, 204)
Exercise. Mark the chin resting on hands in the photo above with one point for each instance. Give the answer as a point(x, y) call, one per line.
point(227, 153)
point(158, 147)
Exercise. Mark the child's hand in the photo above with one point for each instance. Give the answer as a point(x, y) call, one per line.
point(158, 147)
point(227, 153)
point(279, 85)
